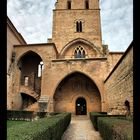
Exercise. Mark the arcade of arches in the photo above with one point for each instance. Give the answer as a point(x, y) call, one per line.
point(78, 94)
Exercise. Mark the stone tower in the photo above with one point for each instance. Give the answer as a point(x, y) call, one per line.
point(73, 19)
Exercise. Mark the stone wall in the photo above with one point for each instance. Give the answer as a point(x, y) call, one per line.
point(119, 84)
point(112, 59)
point(13, 38)
point(44, 51)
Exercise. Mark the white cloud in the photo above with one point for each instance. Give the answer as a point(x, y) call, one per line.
point(33, 19)
point(117, 23)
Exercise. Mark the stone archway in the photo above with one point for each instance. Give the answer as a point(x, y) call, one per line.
point(29, 78)
point(81, 106)
point(71, 88)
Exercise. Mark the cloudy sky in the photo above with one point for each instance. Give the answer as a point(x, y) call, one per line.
point(33, 19)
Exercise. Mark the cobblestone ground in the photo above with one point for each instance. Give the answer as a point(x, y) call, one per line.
point(81, 128)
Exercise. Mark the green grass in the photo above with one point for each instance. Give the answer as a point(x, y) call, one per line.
point(13, 123)
point(48, 128)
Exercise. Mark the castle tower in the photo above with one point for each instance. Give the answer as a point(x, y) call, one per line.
point(73, 19)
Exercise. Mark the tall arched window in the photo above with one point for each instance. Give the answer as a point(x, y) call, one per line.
point(78, 26)
point(79, 52)
point(69, 4)
point(40, 68)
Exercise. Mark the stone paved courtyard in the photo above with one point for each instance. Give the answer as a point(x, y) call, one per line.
point(81, 128)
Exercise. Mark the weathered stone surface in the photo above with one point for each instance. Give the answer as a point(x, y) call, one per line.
point(119, 85)
point(60, 62)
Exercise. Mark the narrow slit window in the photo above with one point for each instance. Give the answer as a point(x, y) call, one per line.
point(79, 26)
point(26, 80)
point(69, 4)
point(40, 68)
point(86, 4)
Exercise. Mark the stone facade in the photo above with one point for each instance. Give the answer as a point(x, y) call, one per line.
point(73, 64)
point(119, 84)
point(13, 37)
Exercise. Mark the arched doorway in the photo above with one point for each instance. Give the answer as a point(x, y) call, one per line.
point(81, 106)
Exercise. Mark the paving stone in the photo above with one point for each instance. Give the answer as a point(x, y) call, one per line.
point(81, 128)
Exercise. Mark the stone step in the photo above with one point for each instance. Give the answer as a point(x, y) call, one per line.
point(43, 99)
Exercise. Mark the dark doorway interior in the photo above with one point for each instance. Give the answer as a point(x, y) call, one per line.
point(81, 106)
point(27, 100)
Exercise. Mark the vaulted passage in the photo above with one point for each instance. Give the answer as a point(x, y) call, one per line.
point(30, 81)
point(77, 94)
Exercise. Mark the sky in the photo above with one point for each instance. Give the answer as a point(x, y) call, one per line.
point(33, 19)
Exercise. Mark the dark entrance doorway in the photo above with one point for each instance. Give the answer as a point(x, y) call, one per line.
point(81, 106)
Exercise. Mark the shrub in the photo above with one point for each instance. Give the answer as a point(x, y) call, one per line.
point(54, 113)
point(48, 128)
point(94, 117)
point(112, 128)
point(20, 115)
point(41, 114)
point(11, 123)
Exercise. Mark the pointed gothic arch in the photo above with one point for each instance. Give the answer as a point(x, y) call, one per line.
point(73, 85)
point(26, 53)
point(29, 81)
point(76, 41)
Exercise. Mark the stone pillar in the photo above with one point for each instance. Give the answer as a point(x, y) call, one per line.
point(15, 89)
point(43, 103)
